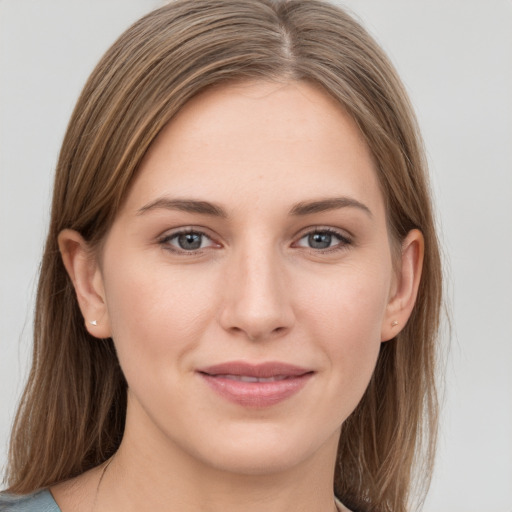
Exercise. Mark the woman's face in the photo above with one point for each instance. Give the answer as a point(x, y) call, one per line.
point(247, 279)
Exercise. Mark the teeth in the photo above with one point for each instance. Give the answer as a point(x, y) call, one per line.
point(247, 378)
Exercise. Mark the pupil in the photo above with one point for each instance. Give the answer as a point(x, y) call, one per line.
point(189, 241)
point(320, 240)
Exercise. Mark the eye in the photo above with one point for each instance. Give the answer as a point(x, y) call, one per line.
point(322, 239)
point(188, 241)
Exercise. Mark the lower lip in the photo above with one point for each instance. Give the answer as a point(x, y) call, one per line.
point(256, 394)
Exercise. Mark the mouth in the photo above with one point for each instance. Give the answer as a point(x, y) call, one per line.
point(255, 385)
point(248, 378)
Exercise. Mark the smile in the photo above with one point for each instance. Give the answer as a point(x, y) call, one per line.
point(261, 385)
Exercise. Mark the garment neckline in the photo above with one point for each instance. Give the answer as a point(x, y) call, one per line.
point(48, 493)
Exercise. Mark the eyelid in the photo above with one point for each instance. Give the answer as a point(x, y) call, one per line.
point(164, 240)
point(345, 238)
point(321, 228)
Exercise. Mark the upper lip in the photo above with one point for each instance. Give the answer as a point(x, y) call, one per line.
point(259, 370)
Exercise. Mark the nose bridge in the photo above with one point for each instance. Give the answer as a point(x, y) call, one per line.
point(256, 301)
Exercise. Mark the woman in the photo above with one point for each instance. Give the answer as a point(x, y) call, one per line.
point(244, 311)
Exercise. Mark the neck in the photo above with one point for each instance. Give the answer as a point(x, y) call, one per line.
point(149, 474)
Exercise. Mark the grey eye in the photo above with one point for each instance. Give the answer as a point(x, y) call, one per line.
point(323, 239)
point(320, 240)
point(190, 241)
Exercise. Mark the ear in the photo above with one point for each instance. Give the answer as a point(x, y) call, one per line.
point(85, 274)
point(405, 288)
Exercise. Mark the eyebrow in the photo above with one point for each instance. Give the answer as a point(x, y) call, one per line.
point(207, 208)
point(324, 205)
point(184, 205)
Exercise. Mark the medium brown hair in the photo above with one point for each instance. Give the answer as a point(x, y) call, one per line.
point(72, 412)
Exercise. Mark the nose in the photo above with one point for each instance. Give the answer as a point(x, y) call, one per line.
point(256, 302)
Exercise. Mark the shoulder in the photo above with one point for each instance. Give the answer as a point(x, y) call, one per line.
point(41, 501)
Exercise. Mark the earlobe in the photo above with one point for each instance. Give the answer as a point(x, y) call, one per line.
point(402, 301)
point(85, 274)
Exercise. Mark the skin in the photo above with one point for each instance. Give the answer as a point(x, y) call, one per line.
point(255, 291)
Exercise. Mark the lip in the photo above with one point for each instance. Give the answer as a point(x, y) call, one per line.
point(255, 385)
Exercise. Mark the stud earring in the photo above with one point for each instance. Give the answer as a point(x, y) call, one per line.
point(93, 322)
point(394, 323)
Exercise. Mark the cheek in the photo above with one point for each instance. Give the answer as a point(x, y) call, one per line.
point(345, 315)
point(156, 316)
point(350, 301)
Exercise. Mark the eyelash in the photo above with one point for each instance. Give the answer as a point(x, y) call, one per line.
point(343, 241)
point(166, 241)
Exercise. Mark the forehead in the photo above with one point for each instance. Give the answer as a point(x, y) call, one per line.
point(258, 139)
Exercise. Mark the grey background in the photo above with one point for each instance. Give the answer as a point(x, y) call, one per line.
point(455, 57)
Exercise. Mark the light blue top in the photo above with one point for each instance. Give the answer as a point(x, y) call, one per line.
point(41, 501)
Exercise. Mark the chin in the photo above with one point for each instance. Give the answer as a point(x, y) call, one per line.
point(259, 463)
point(264, 451)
